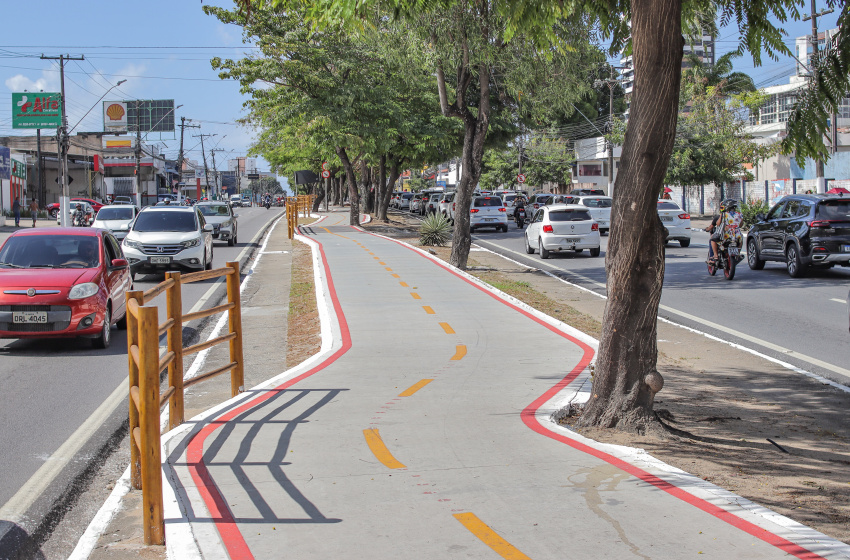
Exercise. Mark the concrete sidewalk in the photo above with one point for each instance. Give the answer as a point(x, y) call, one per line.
point(423, 430)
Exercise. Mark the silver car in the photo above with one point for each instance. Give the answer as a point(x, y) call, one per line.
point(168, 238)
point(562, 227)
point(488, 212)
point(600, 209)
point(220, 215)
point(117, 218)
point(677, 222)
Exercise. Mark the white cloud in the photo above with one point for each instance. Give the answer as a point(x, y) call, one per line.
point(47, 82)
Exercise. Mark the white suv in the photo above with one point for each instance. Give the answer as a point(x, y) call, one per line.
point(167, 238)
point(488, 211)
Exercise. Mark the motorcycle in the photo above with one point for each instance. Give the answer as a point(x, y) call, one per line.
point(519, 216)
point(727, 260)
point(267, 204)
point(80, 219)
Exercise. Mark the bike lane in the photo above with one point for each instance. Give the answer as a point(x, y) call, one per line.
point(410, 437)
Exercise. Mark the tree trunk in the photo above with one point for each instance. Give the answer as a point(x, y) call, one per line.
point(395, 171)
point(354, 198)
point(626, 380)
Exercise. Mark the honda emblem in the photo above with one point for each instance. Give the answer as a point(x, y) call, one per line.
point(159, 249)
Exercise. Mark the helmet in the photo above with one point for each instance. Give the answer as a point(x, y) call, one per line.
point(728, 204)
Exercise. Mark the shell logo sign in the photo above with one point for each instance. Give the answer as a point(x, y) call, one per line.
point(114, 116)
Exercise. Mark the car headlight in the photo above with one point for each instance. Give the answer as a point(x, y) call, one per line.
point(228, 223)
point(191, 243)
point(81, 291)
point(132, 244)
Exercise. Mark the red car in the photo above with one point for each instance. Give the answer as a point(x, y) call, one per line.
point(62, 283)
point(53, 208)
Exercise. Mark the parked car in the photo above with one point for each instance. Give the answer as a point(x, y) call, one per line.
point(168, 237)
point(802, 231)
point(433, 204)
point(236, 200)
point(536, 201)
point(488, 212)
point(62, 283)
point(223, 220)
point(404, 201)
point(53, 208)
point(416, 203)
point(677, 222)
point(117, 218)
point(446, 204)
point(600, 209)
point(566, 227)
point(587, 192)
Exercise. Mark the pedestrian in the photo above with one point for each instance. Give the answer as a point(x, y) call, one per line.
point(16, 208)
point(34, 210)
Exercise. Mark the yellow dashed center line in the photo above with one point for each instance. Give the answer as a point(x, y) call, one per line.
point(332, 233)
point(489, 537)
point(415, 295)
point(379, 449)
point(460, 352)
point(377, 258)
point(414, 388)
point(389, 269)
point(383, 263)
point(428, 310)
point(396, 276)
point(404, 284)
point(447, 328)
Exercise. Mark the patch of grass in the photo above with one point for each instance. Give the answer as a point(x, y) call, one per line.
point(303, 337)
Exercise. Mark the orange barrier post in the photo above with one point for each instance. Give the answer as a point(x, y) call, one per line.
point(149, 443)
point(237, 376)
point(174, 310)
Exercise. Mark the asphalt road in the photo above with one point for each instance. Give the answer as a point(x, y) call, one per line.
point(61, 400)
point(800, 321)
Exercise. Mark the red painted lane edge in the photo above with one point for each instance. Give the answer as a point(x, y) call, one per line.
point(529, 417)
point(221, 515)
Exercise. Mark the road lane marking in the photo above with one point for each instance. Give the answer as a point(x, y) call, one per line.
point(415, 295)
point(699, 320)
point(389, 269)
point(428, 310)
point(460, 352)
point(382, 263)
point(338, 235)
point(379, 449)
point(404, 284)
point(396, 276)
point(838, 300)
point(489, 537)
point(413, 388)
point(447, 328)
point(377, 258)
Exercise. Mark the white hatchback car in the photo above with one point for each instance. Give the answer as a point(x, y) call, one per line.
point(600, 209)
point(117, 218)
point(488, 211)
point(677, 222)
point(564, 227)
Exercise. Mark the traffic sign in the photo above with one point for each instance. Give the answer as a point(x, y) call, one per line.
point(324, 165)
point(521, 178)
point(326, 173)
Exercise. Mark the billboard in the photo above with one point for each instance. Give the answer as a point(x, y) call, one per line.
point(119, 142)
point(144, 115)
point(36, 110)
point(5, 163)
point(114, 116)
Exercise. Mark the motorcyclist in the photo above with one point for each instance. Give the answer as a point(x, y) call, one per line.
point(519, 202)
point(726, 224)
point(77, 215)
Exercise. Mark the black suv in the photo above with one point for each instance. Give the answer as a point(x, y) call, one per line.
point(802, 230)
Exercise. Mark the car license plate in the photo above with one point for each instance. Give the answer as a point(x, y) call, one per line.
point(160, 260)
point(845, 248)
point(489, 219)
point(570, 240)
point(29, 317)
point(733, 251)
point(666, 218)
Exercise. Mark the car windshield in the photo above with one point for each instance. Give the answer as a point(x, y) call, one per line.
point(543, 199)
point(597, 202)
point(834, 210)
point(569, 215)
point(666, 205)
point(165, 221)
point(50, 251)
point(509, 198)
point(483, 201)
point(115, 214)
point(214, 209)
point(407, 196)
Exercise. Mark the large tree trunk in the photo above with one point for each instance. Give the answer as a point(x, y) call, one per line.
point(389, 183)
point(354, 198)
point(626, 380)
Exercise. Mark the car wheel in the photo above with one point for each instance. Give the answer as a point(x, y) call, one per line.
point(753, 256)
point(528, 248)
point(544, 253)
point(796, 269)
point(595, 251)
point(232, 241)
point(603, 232)
point(685, 242)
point(578, 250)
point(471, 229)
point(54, 213)
point(504, 229)
point(122, 322)
point(105, 336)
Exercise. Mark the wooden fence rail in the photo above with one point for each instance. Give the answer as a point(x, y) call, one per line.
point(146, 366)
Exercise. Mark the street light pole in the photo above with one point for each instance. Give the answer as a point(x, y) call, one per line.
point(819, 172)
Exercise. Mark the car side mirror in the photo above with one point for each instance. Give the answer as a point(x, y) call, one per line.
point(208, 227)
point(118, 264)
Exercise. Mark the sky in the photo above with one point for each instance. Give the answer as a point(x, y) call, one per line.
point(163, 50)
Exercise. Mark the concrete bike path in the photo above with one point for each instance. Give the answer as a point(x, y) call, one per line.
point(417, 433)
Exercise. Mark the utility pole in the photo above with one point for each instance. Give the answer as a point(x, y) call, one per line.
point(137, 184)
point(610, 82)
point(819, 173)
point(215, 171)
point(62, 134)
point(204, 154)
point(183, 126)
